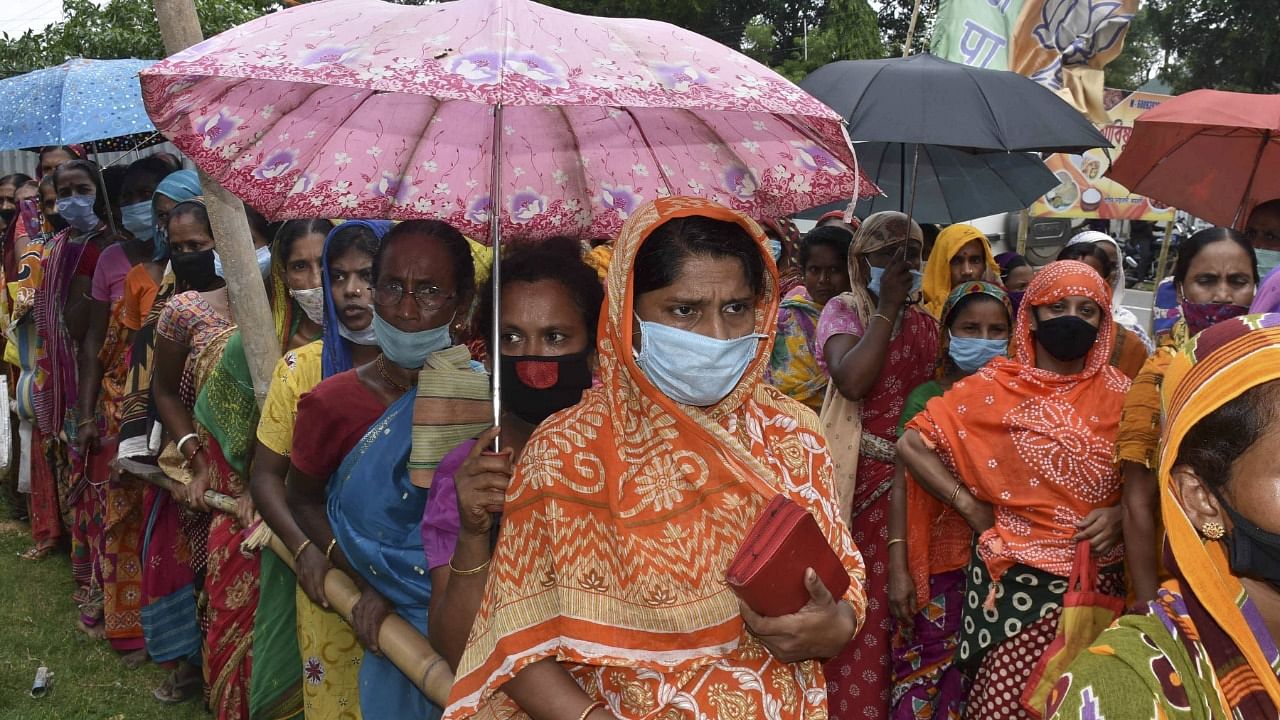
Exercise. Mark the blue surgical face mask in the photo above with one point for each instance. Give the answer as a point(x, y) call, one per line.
point(409, 350)
point(969, 354)
point(775, 248)
point(366, 337)
point(263, 255)
point(1268, 260)
point(77, 210)
point(138, 221)
point(877, 274)
point(690, 368)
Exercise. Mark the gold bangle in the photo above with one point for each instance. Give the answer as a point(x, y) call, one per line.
point(298, 553)
point(590, 708)
point(328, 551)
point(955, 494)
point(895, 540)
point(882, 315)
point(473, 571)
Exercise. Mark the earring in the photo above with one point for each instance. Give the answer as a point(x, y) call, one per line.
point(1213, 530)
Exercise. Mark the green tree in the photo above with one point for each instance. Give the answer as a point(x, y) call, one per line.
point(120, 29)
point(894, 19)
point(720, 20)
point(837, 30)
point(1222, 44)
point(1136, 63)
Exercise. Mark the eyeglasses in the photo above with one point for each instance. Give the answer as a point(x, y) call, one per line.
point(429, 298)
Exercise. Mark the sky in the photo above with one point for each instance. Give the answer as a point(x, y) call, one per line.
point(18, 16)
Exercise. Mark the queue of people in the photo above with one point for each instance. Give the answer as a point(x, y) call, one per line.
point(972, 436)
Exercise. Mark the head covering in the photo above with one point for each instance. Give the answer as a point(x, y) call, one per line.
point(1267, 299)
point(1037, 444)
point(879, 231)
point(841, 215)
point(790, 275)
point(177, 186)
point(336, 353)
point(1214, 368)
point(1122, 315)
point(627, 473)
point(937, 272)
point(958, 293)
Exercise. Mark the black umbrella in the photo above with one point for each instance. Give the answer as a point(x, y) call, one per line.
point(925, 99)
point(951, 186)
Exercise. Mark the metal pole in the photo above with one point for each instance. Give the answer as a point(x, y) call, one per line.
point(180, 28)
point(495, 275)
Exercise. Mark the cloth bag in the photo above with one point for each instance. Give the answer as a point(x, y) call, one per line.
point(1085, 614)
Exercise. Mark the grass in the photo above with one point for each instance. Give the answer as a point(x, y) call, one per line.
point(37, 625)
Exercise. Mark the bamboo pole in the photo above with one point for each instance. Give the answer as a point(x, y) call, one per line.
point(911, 29)
point(401, 642)
point(1024, 226)
point(180, 28)
point(1164, 253)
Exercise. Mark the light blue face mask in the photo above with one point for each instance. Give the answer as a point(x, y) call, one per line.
point(969, 354)
point(690, 368)
point(917, 281)
point(1268, 260)
point(409, 350)
point(138, 221)
point(263, 255)
point(775, 248)
point(77, 210)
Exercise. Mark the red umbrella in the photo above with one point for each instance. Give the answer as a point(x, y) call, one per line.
point(1213, 154)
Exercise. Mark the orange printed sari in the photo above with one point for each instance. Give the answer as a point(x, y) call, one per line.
point(621, 521)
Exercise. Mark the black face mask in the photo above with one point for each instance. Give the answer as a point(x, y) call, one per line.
point(194, 269)
point(535, 387)
point(1067, 338)
point(1251, 551)
point(8, 214)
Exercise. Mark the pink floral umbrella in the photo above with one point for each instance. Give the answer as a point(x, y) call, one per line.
point(359, 108)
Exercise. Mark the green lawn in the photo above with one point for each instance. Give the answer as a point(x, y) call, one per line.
point(37, 625)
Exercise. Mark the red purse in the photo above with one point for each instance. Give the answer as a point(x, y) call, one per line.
point(767, 572)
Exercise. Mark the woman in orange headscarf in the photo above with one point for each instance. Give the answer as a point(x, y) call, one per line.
point(606, 594)
point(1023, 450)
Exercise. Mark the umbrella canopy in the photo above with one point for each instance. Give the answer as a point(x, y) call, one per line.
point(79, 101)
point(356, 108)
point(925, 99)
point(951, 186)
point(1211, 153)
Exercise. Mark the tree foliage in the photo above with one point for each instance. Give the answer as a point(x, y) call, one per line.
point(120, 29)
point(1137, 62)
point(1222, 44)
point(836, 30)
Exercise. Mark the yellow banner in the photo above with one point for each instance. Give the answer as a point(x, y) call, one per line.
point(1083, 192)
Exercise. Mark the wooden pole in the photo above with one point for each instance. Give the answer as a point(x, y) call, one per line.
point(1024, 225)
point(180, 28)
point(1164, 252)
point(911, 29)
point(401, 642)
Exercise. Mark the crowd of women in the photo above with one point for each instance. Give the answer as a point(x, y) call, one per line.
point(989, 449)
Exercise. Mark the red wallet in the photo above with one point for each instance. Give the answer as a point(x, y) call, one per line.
point(768, 570)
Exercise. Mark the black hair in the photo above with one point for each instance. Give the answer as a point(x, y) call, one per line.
point(70, 151)
point(91, 169)
point(1192, 246)
point(665, 251)
point(1214, 443)
point(968, 300)
point(1081, 250)
point(558, 259)
point(194, 208)
point(113, 177)
point(1011, 263)
point(147, 168)
point(832, 236)
point(291, 231)
point(350, 236)
point(259, 226)
point(464, 271)
point(17, 180)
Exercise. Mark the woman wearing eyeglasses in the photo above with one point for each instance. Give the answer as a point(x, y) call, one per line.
point(351, 445)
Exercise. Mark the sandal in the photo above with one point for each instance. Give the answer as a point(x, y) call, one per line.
point(39, 551)
point(134, 660)
point(175, 690)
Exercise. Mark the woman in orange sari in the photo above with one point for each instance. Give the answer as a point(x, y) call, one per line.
point(1024, 450)
point(606, 594)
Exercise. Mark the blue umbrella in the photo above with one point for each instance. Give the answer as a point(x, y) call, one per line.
point(79, 101)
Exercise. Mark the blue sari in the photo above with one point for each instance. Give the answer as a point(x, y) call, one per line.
point(375, 513)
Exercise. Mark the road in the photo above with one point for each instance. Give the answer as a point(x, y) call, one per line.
point(1139, 301)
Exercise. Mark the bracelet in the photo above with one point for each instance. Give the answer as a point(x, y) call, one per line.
point(328, 551)
point(186, 461)
point(590, 709)
point(298, 553)
point(895, 540)
point(882, 315)
point(86, 421)
point(185, 438)
point(955, 493)
point(475, 571)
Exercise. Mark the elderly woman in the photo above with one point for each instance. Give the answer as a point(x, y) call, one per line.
point(961, 254)
point(1023, 450)
point(878, 345)
point(1206, 647)
point(606, 593)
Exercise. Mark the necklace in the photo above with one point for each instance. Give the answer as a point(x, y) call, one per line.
point(381, 364)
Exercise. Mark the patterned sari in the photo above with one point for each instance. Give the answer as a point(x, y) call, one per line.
point(1039, 447)
point(793, 365)
point(1202, 650)
point(622, 518)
